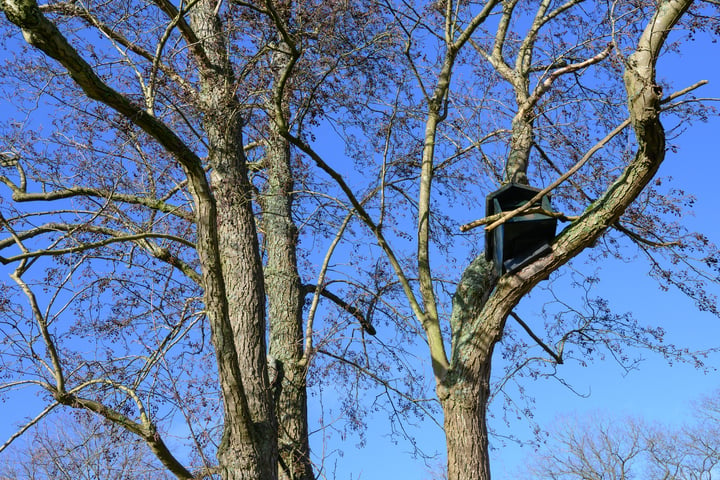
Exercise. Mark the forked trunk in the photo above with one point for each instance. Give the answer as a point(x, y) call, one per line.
point(248, 450)
point(464, 392)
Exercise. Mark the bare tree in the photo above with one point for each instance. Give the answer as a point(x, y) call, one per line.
point(188, 205)
point(603, 446)
point(86, 449)
point(607, 449)
point(174, 87)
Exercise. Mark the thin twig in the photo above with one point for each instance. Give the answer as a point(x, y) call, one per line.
point(25, 427)
point(380, 380)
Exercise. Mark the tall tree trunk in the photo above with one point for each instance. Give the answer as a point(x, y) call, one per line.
point(466, 432)
point(465, 391)
point(245, 295)
point(286, 299)
point(238, 250)
point(286, 296)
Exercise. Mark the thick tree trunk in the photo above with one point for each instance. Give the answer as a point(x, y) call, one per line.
point(465, 391)
point(466, 429)
point(286, 299)
point(245, 296)
point(242, 272)
point(286, 296)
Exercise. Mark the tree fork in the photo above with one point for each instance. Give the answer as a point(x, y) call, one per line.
point(482, 304)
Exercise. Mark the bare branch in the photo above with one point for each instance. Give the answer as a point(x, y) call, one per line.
point(307, 353)
point(44, 35)
point(638, 238)
point(578, 165)
point(72, 9)
point(146, 430)
point(557, 357)
point(365, 217)
point(545, 85)
point(354, 311)
point(28, 425)
point(19, 195)
point(190, 37)
point(382, 382)
point(499, 219)
point(119, 237)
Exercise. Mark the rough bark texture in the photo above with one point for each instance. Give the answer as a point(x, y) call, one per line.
point(237, 245)
point(465, 412)
point(520, 145)
point(286, 299)
point(265, 424)
point(226, 239)
point(286, 295)
point(464, 392)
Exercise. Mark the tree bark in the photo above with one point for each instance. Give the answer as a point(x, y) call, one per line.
point(286, 299)
point(466, 429)
point(520, 145)
point(465, 391)
point(226, 238)
point(238, 250)
point(286, 296)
